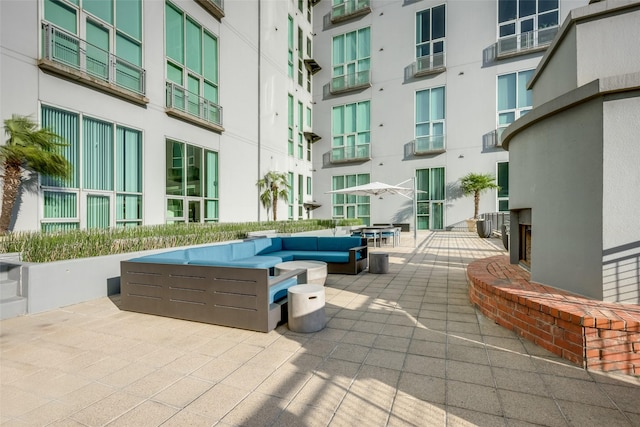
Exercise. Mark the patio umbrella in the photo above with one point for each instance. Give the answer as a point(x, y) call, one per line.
point(377, 188)
point(372, 189)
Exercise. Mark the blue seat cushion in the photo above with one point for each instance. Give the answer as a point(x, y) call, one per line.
point(300, 243)
point(338, 243)
point(207, 253)
point(326, 256)
point(242, 250)
point(251, 262)
point(279, 290)
point(283, 255)
point(267, 245)
point(171, 257)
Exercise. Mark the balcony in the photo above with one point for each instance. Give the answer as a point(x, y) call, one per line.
point(432, 144)
point(431, 64)
point(193, 108)
point(68, 56)
point(214, 7)
point(350, 154)
point(349, 82)
point(312, 137)
point(312, 66)
point(349, 9)
point(525, 43)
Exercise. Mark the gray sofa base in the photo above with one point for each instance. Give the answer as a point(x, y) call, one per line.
point(227, 296)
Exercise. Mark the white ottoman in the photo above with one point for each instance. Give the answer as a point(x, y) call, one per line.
point(316, 270)
point(306, 308)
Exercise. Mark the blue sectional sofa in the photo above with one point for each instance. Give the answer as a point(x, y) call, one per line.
point(231, 284)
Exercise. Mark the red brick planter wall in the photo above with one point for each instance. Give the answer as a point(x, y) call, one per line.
point(592, 334)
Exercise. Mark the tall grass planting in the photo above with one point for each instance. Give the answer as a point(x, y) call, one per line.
point(58, 246)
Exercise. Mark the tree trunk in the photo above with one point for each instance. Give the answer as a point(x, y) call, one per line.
point(476, 204)
point(274, 203)
point(12, 180)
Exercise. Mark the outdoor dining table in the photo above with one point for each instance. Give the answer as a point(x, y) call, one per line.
point(376, 234)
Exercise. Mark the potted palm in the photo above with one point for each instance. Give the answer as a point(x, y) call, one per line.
point(476, 183)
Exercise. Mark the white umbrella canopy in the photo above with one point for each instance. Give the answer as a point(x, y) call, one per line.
point(372, 189)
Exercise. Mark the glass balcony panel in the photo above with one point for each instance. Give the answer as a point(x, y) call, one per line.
point(429, 144)
point(67, 49)
point(348, 8)
point(181, 99)
point(525, 41)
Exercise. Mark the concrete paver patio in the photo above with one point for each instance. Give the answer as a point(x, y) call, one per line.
point(400, 349)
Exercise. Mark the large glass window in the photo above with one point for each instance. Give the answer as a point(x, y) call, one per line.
point(430, 120)
point(300, 130)
point(503, 183)
point(105, 188)
point(351, 58)
point(519, 17)
point(191, 183)
point(110, 27)
point(514, 100)
point(290, 46)
point(291, 199)
point(192, 64)
point(290, 122)
point(351, 131)
point(430, 196)
point(430, 31)
point(349, 205)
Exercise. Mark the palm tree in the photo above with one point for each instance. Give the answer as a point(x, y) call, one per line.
point(28, 148)
point(274, 186)
point(476, 183)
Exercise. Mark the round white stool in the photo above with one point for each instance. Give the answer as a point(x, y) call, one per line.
point(305, 308)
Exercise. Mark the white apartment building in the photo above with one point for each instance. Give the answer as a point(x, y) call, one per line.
point(422, 89)
point(172, 110)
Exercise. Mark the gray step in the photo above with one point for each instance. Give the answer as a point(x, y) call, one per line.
point(8, 289)
point(13, 307)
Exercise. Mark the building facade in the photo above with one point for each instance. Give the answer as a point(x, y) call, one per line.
point(422, 90)
point(172, 110)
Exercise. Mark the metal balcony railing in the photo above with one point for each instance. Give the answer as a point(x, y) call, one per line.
point(349, 82)
point(429, 144)
point(429, 64)
point(192, 104)
point(67, 49)
point(354, 153)
point(520, 43)
point(349, 9)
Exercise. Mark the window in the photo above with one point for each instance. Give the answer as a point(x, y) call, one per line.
point(349, 205)
point(301, 66)
point(351, 59)
point(430, 184)
point(526, 23)
point(430, 120)
point(192, 66)
point(191, 183)
point(309, 74)
point(300, 196)
point(309, 6)
point(290, 122)
point(308, 186)
point(351, 131)
point(290, 44)
point(291, 196)
point(514, 100)
point(503, 183)
point(300, 130)
point(112, 30)
point(430, 34)
point(106, 186)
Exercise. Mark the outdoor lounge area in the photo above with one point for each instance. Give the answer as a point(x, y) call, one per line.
point(403, 348)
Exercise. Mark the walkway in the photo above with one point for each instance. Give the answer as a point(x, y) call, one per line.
point(400, 349)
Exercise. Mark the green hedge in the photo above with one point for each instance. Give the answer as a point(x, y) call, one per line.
point(47, 247)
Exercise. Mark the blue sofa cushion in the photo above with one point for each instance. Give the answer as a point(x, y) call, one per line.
point(326, 256)
point(300, 243)
point(171, 257)
point(267, 245)
point(251, 262)
point(283, 255)
point(242, 250)
point(279, 291)
point(338, 243)
point(213, 252)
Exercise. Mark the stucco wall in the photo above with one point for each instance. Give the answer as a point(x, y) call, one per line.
point(621, 200)
point(556, 171)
